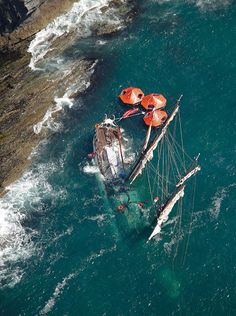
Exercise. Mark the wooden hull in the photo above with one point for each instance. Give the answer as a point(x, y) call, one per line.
point(106, 145)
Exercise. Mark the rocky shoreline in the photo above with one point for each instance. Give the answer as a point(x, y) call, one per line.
point(26, 95)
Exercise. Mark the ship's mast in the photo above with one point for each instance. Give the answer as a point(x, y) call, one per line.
point(166, 208)
point(147, 154)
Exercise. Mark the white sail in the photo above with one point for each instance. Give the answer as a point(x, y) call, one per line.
point(166, 211)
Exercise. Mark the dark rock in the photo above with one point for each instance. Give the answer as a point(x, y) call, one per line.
point(12, 13)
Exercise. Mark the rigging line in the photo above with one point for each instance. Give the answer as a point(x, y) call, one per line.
point(181, 138)
point(174, 162)
point(160, 148)
point(160, 176)
point(166, 169)
point(171, 162)
point(176, 151)
point(178, 145)
point(155, 169)
point(191, 221)
point(149, 185)
point(166, 166)
point(163, 173)
point(172, 159)
point(174, 128)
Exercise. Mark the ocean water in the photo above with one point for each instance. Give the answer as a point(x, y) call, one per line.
point(63, 250)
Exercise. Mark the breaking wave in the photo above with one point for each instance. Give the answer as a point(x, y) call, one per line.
point(80, 84)
point(84, 16)
point(47, 121)
point(17, 239)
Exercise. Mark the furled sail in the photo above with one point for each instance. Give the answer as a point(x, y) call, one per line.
point(166, 209)
point(148, 153)
point(193, 169)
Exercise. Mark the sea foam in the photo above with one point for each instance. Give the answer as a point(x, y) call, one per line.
point(80, 84)
point(82, 18)
point(17, 239)
point(57, 292)
point(16, 244)
point(47, 120)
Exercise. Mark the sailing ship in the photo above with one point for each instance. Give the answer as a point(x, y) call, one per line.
point(170, 174)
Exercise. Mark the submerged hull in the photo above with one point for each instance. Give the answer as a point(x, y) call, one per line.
point(106, 145)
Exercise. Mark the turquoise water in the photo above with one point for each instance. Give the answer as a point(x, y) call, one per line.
point(81, 262)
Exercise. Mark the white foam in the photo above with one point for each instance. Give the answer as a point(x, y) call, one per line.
point(47, 120)
point(100, 254)
point(127, 148)
point(217, 202)
point(90, 169)
point(208, 5)
point(101, 42)
point(16, 240)
point(80, 84)
point(61, 285)
point(57, 292)
point(83, 16)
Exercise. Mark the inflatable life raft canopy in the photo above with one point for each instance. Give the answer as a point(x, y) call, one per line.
point(153, 100)
point(153, 103)
point(155, 118)
point(131, 95)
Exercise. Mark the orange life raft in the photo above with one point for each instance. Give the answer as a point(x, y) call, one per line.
point(131, 95)
point(155, 118)
point(153, 100)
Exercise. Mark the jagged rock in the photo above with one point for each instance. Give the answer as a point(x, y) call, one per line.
point(26, 95)
point(21, 19)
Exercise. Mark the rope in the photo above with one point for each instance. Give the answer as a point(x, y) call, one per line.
point(149, 185)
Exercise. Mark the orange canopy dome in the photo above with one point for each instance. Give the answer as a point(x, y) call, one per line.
point(153, 100)
point(131, 95)
point(156, 117)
